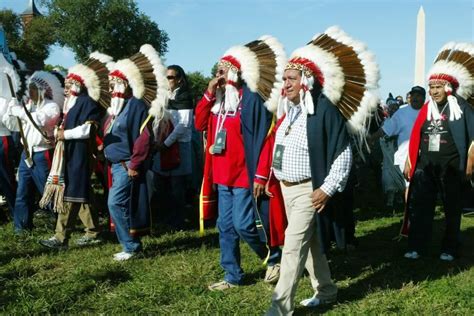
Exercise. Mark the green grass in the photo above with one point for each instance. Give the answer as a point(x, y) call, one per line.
point(173, 274)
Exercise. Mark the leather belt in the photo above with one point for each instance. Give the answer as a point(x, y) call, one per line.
point(290, 184)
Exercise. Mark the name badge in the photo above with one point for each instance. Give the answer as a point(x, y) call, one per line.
point(219, 144)
point(434, 142)
point(278, 157)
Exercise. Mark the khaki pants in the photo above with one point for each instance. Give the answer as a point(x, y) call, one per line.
point(301, 250)
point(67, 220)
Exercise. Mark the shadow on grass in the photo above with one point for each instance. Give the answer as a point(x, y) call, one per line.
point(370, 213)
point(378, 263)
point(8, 254)
point(169, 246)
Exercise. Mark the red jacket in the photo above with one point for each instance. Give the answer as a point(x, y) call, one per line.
point(230, 169)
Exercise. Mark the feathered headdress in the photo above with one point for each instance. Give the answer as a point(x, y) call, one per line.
point(146, 76)
point(453, 67)
point(260, 64)
point(347, 73)
point(48, 85)
point(9, 69)
point(94, 75)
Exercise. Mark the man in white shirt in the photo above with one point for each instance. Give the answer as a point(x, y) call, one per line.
point(38, 119)
point(81, 118)
point(401, 124)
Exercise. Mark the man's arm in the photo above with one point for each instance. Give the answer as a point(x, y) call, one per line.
point(185, 117)
point(335, 181)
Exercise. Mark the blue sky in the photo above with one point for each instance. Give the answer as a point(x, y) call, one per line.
point(200, 31)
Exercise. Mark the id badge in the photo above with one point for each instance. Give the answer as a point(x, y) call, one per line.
point(219, 144)
point(434, 142)
point(29, 162)
point(278, 157)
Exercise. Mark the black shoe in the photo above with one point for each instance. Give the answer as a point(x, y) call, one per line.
point(53, 243)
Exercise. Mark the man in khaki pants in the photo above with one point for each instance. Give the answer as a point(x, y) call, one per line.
point(312, 159)
point(85, 87)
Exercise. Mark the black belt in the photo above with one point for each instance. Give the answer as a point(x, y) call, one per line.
point(290, 184)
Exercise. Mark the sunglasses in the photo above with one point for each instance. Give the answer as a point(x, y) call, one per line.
point(170, 77)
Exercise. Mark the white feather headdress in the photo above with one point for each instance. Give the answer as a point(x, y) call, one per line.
point(146, 76)
point(347, 73)
point(94, 75)
point(261, 64)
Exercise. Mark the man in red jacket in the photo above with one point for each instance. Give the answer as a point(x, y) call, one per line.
point(226, 112)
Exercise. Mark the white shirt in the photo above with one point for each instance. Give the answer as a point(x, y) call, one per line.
point(401, 124)
point(295, 160)
point(46, 117)
point(182, 120)
point(4, 131)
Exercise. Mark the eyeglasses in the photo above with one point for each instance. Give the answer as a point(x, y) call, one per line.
point(170, 77)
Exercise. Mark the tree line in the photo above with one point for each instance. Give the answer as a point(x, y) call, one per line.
point(114, 27)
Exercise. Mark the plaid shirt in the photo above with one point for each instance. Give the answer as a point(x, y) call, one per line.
point(295, 162)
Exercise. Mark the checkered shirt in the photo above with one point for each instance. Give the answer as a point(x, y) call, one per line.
point(295, 160)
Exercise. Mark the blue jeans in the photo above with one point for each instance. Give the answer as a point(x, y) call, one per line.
point(237, 220)
point(27, 177)
point(119, 208)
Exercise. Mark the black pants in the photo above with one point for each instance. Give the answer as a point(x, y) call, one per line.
point(425, 186)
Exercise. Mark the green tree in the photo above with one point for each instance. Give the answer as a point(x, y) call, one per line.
point(113, 27)
point(32, 44)
point(214, 69)
point(197, 84)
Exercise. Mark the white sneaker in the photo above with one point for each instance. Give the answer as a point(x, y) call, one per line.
point(314, 301)
point(446, 257)
point(123, 256)
point(412, 255)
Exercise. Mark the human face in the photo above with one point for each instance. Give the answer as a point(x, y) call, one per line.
point(113, 81)
point(173, 80)
point(417, 100)
point(33, 92)
point(292, 85)
point(67, 87)
point(437, 93)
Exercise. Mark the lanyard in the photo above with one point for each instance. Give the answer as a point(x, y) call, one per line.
point(220, 119)
point(293, 120)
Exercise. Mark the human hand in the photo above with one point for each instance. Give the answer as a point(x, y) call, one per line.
point(407, 170)
point(13, 102)
point(16, 110)
point(319, 199)
point(59, 134)
point(212, 86)
point(267, 190)
point(258, 189)
point(470, 163)
point(132, 174)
